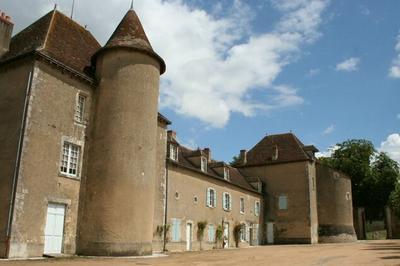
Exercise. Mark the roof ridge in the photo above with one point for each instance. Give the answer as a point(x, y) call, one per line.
point(48, 29)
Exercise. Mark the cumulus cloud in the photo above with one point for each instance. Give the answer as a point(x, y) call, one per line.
point(328, 152)
point(329, 130)
point(394, 71)
point(348, 65)
point(214, 61)
point(392, 146)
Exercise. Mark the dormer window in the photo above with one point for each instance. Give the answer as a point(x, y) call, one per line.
point(226, 173)
point(204, 164)
point(173, 152)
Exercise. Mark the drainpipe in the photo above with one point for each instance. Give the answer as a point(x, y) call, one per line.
point(18, 161)
point(166, 207)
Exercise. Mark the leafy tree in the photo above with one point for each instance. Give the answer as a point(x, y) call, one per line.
point(201, 226)
point(235, 161)
point(219, 233)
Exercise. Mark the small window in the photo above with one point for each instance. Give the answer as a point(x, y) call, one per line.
point(242, 205)
point(176, 230)
point(283, 202)
point(227, 201)
point(177, 195)
point(70, 159)
point(80, 108)
point(257, 208)
point(348, 196)
point(204, 164)
point(211, 198)
point(226, 173)
point(195, 199)
point(173, 152)
point(211, 233)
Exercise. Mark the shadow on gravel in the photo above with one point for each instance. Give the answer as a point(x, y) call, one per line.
point(386, 246)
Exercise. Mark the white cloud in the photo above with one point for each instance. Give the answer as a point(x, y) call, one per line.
point(392, 146)
point(398, 116)
point(313, 72)
point(394, 71)
point(348, 65)
point(214, 61)
point(328, 152)
point(329, 130)
point(365, 11)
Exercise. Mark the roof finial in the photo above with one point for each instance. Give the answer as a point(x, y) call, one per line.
point(131, 5)
point(55, 6)
point(72, 9)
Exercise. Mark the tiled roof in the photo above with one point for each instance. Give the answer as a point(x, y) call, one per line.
point(130, 34)
point(235, 177)
point(289, 149)
point(58, 37)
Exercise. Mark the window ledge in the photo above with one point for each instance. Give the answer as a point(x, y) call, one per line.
point(77, 178)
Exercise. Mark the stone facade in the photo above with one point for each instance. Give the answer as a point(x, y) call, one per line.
point(88, 167)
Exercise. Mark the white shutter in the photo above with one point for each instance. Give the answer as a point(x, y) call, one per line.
point(230, 202)
point(215, 199)
point(208, 197)
point(224, 201)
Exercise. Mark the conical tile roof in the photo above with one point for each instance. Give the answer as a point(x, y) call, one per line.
point(130, 34)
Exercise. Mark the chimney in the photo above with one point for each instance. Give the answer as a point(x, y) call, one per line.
point(6, 27)
point(243, 157)
point(207, 151)
point(171, 135)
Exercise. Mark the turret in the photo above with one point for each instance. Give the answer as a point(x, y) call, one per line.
point(118, 202)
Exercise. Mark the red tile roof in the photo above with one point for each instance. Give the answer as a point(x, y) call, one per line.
point(289, 147)
point(58, 37)
point(130, 34)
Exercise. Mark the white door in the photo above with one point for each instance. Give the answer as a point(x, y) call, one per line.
point(270, 233)
point(54, 228)
point(226, 235)
point(188, 236)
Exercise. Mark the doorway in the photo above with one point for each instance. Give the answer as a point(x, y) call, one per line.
point(54, 230)
point(189, 236)
point(226, 235)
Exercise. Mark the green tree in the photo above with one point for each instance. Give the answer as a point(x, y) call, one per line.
point(201, 226)
point(235, 161)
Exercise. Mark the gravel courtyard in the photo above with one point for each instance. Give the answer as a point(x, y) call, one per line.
point(385, 252)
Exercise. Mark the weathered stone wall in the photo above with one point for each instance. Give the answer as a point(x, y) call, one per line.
point(13, 85)
point(160, 184)
point(335, 209)
point(50, 120)
point(184, 185)
point(292, 180)
point(118, 210)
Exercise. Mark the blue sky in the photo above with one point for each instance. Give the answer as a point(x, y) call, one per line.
point(236, 70)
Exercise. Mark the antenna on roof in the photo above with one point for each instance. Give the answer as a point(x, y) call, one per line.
point(72, 9)
point(131, 5)
point(55, 6)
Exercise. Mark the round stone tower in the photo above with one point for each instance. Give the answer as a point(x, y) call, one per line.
point(117, 205)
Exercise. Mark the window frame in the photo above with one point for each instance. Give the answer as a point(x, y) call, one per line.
point(203, 164)
point(257, 208)
point(226, 174)
point(241, 205)
point(211, 228)
point(210, 199)
point(80, 111)
point(285, 197)
point(174, 148)
point(176, 221)
point(224, 201)
point(69, 160)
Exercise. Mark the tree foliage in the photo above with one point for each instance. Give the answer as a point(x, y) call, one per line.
point(235, 161)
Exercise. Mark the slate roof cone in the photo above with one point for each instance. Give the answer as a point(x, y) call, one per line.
point(130, 34)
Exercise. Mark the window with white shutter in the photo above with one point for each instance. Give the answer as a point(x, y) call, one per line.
point(211, 233)
point(283, 205)
point(257, 208)
point(211, 198)
point(176, 230)
point(242, 205)
point(226, 201)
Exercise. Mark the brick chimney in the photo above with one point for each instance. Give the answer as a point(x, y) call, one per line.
point(171, 135)
point(243, 157)
point(6, 27)
point(207, 152)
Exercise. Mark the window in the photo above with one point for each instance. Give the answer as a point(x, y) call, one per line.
point(243, 232)
point(70, 159)
point(204, 164)
point(195, 199)
point(211, 198)
point(241, 205)
point(226, 173)
point(176, 195)
point(348, 196)
point(80, 108)
point(257, 208)
point(176, 230)
point(211, 233)
point(283, 202)
point(226, 201)
point(173, 152)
